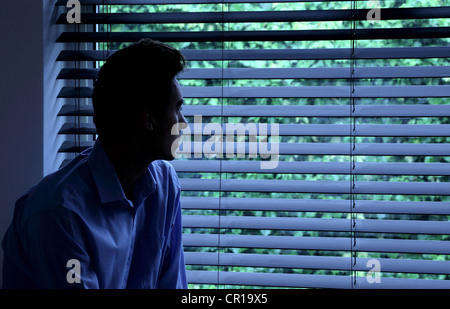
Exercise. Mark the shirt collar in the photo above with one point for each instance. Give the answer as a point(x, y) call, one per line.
point(107, 181)
point(144, 186)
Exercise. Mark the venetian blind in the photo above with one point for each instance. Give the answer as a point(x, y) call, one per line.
point(347, 101)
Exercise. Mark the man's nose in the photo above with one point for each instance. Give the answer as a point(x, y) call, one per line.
point(183, 124)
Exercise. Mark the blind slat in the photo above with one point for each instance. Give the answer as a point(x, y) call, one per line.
point(361, 168)
point(400, 283)
point(219, 36)
point(291, 92)
point(160, 2)
point(317, 92)
point(317, 205)
point(252, 129)
point(311, 281)
point(317, 224)
point(424, 110)
point(280, 54)
point(325, 187)
point(265, 16)
point(317, 243)
point(288, 73)
point(314, 262)
point(361, 149)
point(280, 280)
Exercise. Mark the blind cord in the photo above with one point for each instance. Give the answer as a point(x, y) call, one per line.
point(352, 148)
point(77, 94)
point(222, 143)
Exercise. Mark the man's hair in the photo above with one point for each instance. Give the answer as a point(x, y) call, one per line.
point(134, 77)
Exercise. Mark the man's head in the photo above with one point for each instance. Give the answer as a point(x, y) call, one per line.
point(135, 92)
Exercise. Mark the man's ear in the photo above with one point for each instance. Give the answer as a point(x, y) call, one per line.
point(149, 121)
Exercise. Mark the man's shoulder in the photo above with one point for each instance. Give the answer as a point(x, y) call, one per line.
point(164, 169)
point(57, 189)
point(162, 164)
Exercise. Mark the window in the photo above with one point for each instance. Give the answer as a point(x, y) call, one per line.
point(352, 100)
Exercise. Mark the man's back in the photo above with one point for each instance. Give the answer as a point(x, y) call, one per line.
point(80, 214)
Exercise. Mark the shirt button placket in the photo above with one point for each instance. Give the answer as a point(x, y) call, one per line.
point(131, 246)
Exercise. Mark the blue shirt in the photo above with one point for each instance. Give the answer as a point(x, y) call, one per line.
point(77, 225)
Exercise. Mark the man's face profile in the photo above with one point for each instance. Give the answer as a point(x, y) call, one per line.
point(165, 136)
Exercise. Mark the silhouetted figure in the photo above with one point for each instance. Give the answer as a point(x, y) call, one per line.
point(111, 218)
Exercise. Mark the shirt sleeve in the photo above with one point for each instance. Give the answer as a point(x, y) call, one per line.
point(55, 247)
point(173, 272)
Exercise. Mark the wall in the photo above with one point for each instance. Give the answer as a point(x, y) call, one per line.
point(27, 100)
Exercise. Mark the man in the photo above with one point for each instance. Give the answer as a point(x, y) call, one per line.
point(111, 218)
